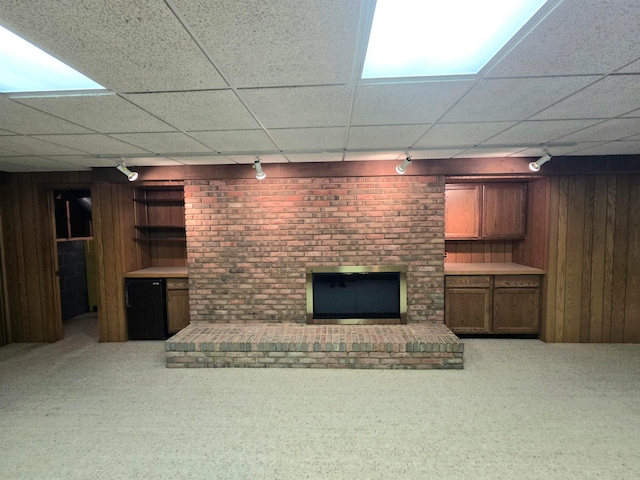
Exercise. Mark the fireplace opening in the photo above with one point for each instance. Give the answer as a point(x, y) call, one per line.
point(352, 295)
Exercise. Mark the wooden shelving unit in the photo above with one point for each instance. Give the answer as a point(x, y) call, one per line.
point(159, 225)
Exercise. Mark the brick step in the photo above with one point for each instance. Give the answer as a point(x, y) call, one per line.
point(418, 345)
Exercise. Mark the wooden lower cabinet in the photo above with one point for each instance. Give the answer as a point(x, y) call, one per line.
point(468, 310)
point(177, 304)
point(499, 304)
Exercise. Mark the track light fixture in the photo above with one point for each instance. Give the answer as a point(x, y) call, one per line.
point(260, 175)
point(131, 176)
point(402, 168)
point(535, 166)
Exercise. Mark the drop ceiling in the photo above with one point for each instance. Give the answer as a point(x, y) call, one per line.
point(197, 82)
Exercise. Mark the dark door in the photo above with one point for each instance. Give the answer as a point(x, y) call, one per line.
point(146, 308)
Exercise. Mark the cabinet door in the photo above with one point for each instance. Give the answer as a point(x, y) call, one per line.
point(468, 310)
point(516, 310)
point(177, 310)
point(503, 210)
point(462, 211)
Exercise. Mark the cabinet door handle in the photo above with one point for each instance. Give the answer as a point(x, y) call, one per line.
point(126, 296)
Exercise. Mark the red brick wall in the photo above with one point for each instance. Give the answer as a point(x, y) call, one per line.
point(249, 242)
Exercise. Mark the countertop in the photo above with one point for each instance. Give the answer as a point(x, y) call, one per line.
point(490, 269)
point(159, 272)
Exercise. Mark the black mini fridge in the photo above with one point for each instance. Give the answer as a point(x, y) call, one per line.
point(146, 308)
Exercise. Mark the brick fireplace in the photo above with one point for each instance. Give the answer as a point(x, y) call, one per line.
point(250, 242)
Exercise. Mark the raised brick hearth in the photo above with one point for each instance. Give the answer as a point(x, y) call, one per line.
point(429, 345)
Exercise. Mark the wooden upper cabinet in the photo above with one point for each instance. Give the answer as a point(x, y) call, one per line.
point(503, 210)
point(487, 211)
point(462, 211)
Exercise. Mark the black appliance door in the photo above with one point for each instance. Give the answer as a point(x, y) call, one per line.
point(146, 308)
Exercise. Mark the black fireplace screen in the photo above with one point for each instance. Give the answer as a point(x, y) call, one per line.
point(362, 295)
point(356, 295)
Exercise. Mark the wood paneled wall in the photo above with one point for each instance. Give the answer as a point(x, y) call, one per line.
point(117, 253)
point(534, 249)
point(28, 234)
point(4, 313)
point(592, 291)
point(583, 230)
point(479, 251)
point(33, 298)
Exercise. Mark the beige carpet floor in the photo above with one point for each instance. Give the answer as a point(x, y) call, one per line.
point(521, 409)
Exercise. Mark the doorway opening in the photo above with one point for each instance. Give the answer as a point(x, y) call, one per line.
point(75, 254)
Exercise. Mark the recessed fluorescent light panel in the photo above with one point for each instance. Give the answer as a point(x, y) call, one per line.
point(26, 68)
point(419, 38)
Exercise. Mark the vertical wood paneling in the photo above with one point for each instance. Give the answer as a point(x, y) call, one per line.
point(97, 196)
point(632, 307)
point(28, 234)
point(620, 260)
point(595, 264)
point(588, 190)
point(110, 265)
point(561, 265)
point(18, 306)
point(549, 294)
point(593, 275)
point(479, 251)
point(4, 312)
point(610, 223)
point(117, 254)
point(574, 259)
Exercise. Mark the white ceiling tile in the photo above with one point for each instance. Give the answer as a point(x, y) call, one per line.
point(235, 140)
point(84, 161)
point(390, 137)
point(21, 119)
point(16, 166)
point(299, 107)
point(406, 103)
point(460, 134)
point(93, 143)
point(210, 110)
point(436, 153)
point(274, 43)
point(315, 157)
point(151, 162)
point(512, 99)
point(272, 158)
point(606, 131)
point(105, 114)
point(39, 164)
point(610, 97)
point(163, 143)
point(631, 68)
point(204, 160)
point(634, 114)
point(6, 153)
point(33, 146)
point(579, 37)
point(366, 156)
point(308, 55)
point(556, 151)
point(537, 132)
point(327, 138)
point(497, 152)
point(123, 45)
point(613, 148)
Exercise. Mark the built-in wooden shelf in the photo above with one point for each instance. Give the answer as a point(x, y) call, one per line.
point(159, 224)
